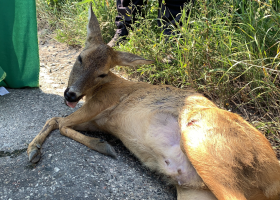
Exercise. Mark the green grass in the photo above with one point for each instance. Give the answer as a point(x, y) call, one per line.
point(68, 19)
point(228, 50)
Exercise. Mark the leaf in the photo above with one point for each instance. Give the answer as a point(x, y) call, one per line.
point(83, 2)
point(217, 70)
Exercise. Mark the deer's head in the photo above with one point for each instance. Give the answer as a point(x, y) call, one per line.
point(92, 66)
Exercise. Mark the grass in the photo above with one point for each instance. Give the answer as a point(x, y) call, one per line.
point(68, 19)
point(228, 50)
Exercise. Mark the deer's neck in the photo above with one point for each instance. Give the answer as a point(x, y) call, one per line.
point(115, 86)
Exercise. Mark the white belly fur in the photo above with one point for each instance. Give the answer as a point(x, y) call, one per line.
point(164, 136)
point(155, 140)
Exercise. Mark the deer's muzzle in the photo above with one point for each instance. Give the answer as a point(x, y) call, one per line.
point(71, 99)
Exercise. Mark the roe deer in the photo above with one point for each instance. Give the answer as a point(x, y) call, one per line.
point(206, 152)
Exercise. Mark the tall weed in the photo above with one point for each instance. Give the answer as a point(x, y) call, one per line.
point(227, 50)
point(69, 18)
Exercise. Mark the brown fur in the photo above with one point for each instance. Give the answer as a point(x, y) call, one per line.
point(206, 152)
point(249, 163)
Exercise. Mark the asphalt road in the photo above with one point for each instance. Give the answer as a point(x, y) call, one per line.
point(67, 169)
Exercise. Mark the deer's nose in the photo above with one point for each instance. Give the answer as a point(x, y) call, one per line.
point(70, 96)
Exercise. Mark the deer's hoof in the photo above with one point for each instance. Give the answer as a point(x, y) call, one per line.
point(34, 155)
point(110, 151)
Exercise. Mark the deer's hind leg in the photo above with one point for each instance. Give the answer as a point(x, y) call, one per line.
point(193, 194)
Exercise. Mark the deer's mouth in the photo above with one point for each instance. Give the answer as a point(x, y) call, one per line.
point(70, 104)
point(71, 99)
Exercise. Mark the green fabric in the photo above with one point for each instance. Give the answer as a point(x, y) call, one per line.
point(19, 55)
point(2, 77)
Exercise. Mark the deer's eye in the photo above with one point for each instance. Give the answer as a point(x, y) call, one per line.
point(103, 75)
point(80, 59)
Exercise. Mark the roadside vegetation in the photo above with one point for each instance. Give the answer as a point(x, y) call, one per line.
point(228, 50)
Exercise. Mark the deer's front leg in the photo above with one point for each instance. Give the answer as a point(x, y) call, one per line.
point(84, 114)
point(93, 143)
point(34, 147)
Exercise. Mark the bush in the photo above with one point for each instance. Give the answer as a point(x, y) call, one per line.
point(224, 49)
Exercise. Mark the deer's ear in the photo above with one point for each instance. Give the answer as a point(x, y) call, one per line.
point(129, 59)
point(93, 30)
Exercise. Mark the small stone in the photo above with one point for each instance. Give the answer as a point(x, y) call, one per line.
point(49, 81)
point(56, 169)
point(55, 85)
